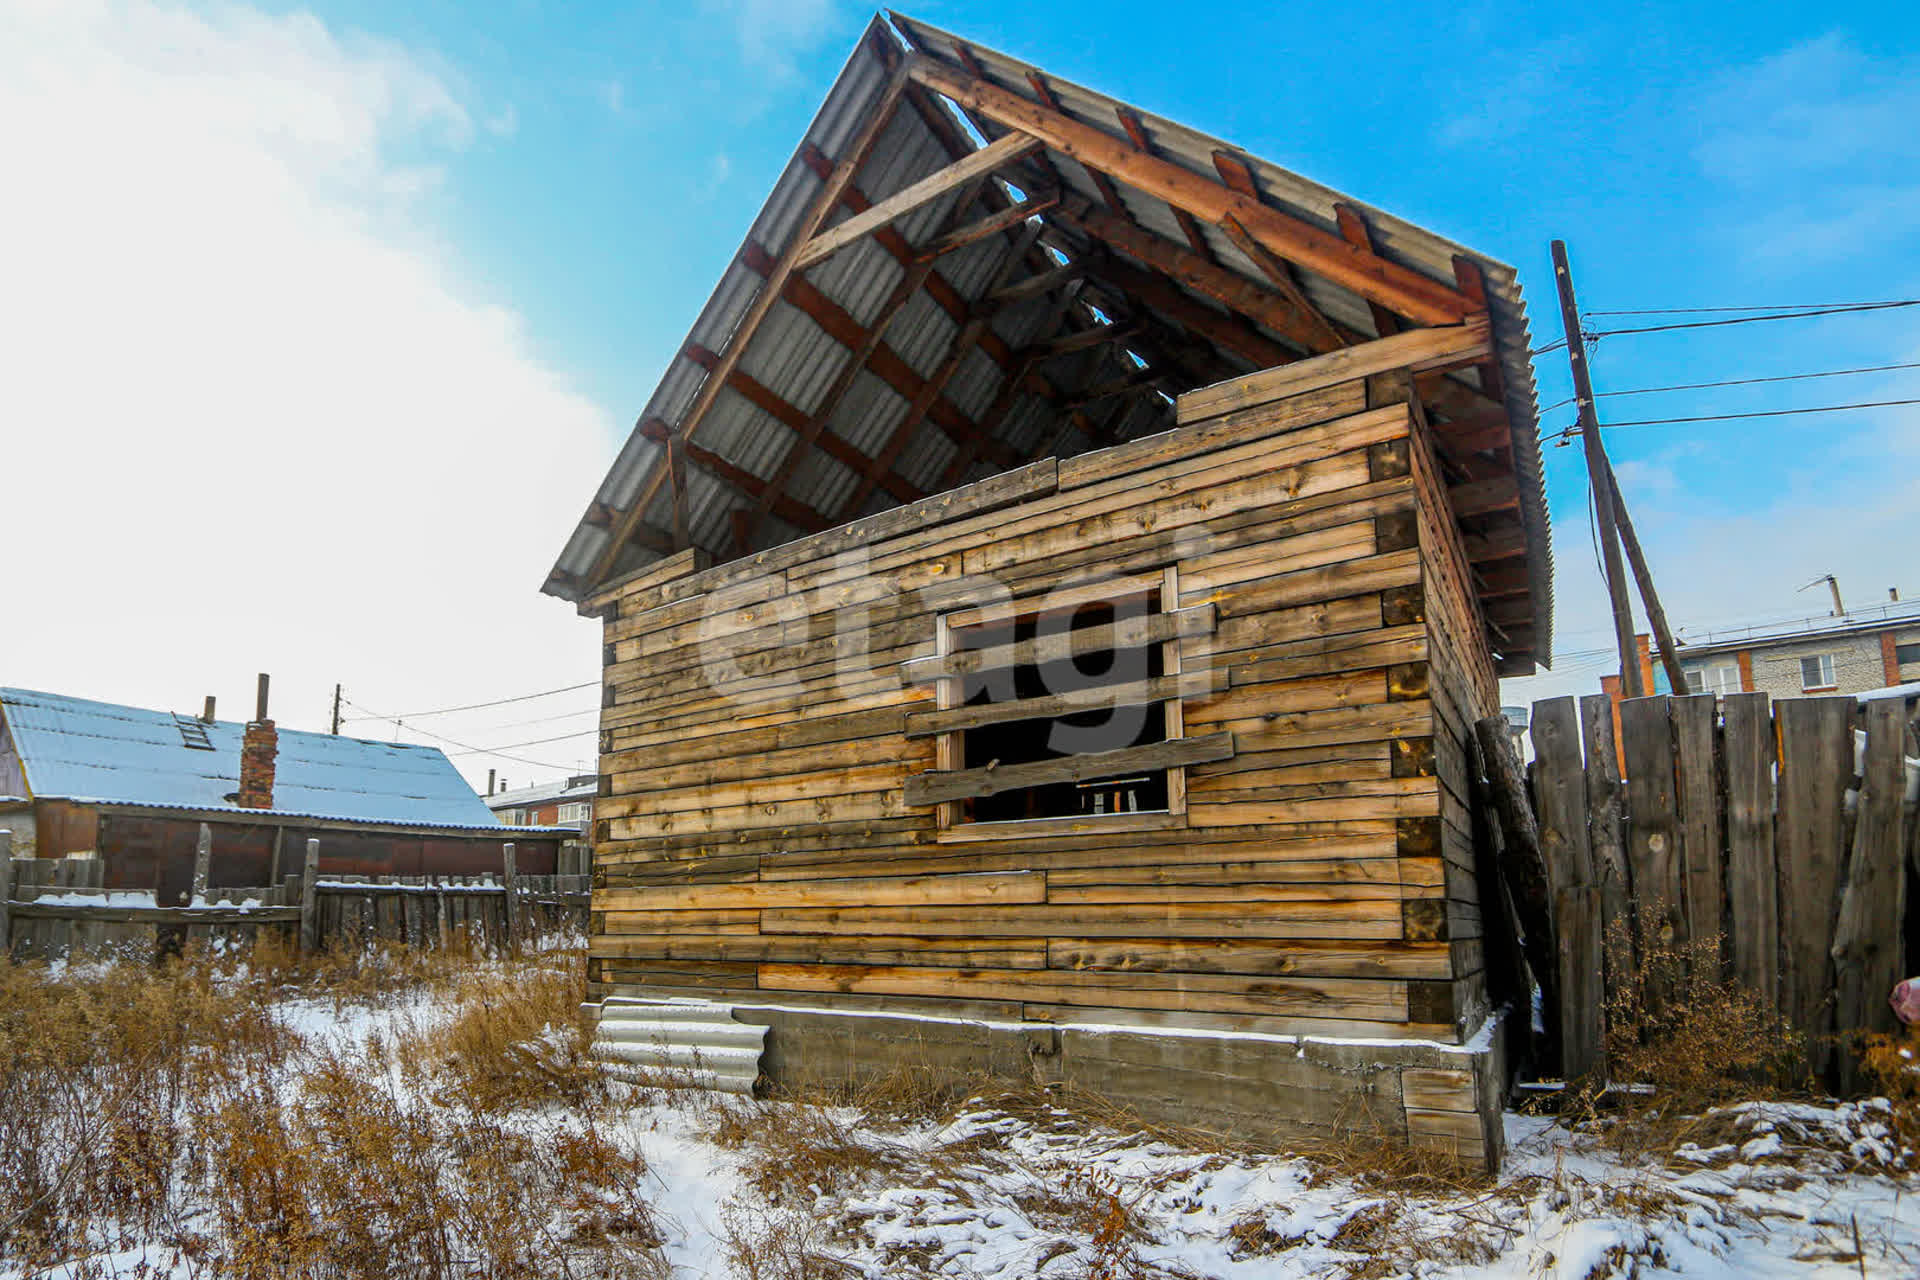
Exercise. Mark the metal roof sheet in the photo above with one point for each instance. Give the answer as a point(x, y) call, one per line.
point(76, 749)
point(790, 353)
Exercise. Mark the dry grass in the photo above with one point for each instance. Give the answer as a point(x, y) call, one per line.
point(169, 1106)
point(1685, 1040)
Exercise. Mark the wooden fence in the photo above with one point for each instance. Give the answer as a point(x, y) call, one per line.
point(54, 907)
point(1773, 841)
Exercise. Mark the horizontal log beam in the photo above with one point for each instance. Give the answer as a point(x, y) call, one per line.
point(1196, 684)
point(1401, 289)
point(913, 196)
point(939, 787)
point(1064, 646)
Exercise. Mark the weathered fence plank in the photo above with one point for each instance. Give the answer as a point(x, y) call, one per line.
point(1816, 767)
point(1646, 739)
point(1753, 916)
point(1696, 783)
point(1559, 791)
point(6, 894)
point(309, 899)
point(1867, 941)
point(1605, 838)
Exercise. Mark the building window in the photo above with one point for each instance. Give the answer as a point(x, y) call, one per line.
point(1063, 706)
point(1718, 678)
point(576, 812)
point(1906, 654)
point(1816, 672)
point(513, 817)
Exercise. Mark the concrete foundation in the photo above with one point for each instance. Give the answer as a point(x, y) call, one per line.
point(1263, 1089)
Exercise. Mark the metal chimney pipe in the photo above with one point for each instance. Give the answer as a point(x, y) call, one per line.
point(206, 716)
point(260, 705)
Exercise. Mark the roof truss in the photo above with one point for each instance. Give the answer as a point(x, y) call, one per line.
point(1086, 326)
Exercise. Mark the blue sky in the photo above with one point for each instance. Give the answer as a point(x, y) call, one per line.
point(243, 218)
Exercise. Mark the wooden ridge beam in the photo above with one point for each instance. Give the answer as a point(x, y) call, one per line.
point(1404, 291)
point(1157, 294)
point(904, 201)
point(1037, 283)
point(1229, 288)
point(1011, 216)
point(823, 204)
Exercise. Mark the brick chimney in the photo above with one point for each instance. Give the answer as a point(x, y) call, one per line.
point(259, 749)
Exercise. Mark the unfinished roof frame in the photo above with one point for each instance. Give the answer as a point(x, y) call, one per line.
point(1057, 282)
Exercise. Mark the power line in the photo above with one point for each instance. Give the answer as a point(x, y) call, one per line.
point(480, 706)
point(1597, 334)
point(1740, 382)
point(1567, 433)
point(1770, 413)
point(1694, 311)
point(465, 748)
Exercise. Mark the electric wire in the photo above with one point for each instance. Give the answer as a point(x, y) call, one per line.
point(480, 706)
point(1737, 382)
point(1597, 334)
point(1694, 311)
point(1566, 434)
point(467, 748)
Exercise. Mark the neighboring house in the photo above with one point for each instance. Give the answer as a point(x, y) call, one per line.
point(1855, 652)
point(133, 786)
point(1046, 603)
point(556, 804)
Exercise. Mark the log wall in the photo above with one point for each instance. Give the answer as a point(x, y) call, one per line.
point(754, 843)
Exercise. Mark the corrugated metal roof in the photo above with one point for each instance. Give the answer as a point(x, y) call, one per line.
point(76, 749)
point(793, 356)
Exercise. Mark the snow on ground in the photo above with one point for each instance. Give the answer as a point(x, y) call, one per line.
point(1002, 1193)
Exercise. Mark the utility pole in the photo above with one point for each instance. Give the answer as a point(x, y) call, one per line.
point(1601, 477)
point(336, 711)
point(1643, 574)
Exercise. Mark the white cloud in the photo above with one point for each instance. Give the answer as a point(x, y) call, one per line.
point(1816, 146)
point(771, 32)
point(252, 421)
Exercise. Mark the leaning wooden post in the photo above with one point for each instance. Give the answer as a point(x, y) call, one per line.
point(202, 865)
point(512, 882)
point(310, 899)
point(1522, 866)
point(6, 893)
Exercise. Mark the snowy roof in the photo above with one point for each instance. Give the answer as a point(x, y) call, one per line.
point(76, 749)
point(565, 790)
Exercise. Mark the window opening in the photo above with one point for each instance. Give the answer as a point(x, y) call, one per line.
point(1100, 728)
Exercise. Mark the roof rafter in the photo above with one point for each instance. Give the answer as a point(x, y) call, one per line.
point(913, 196)
point(823, 203)
point(1402, 289)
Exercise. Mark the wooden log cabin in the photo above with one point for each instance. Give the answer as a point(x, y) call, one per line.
point(1046, 605)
